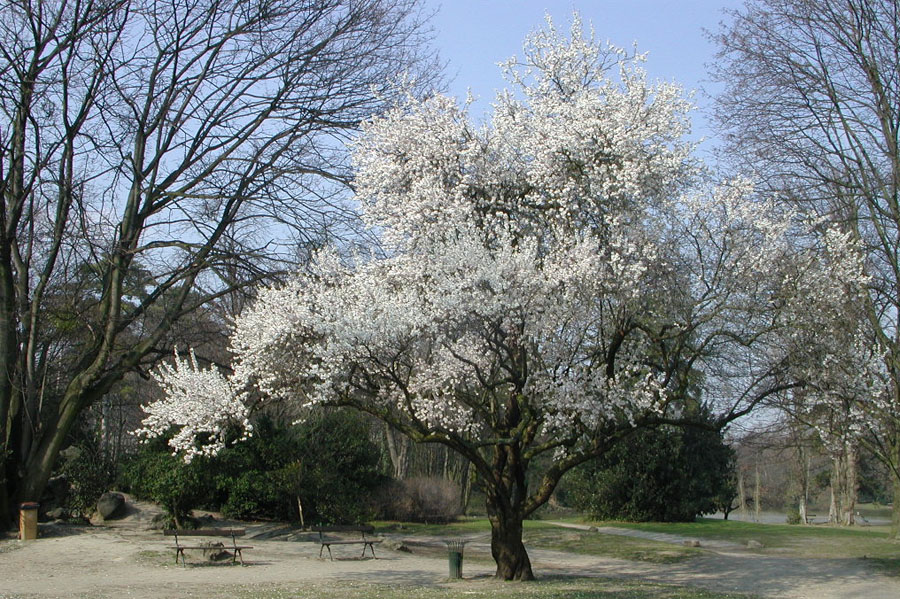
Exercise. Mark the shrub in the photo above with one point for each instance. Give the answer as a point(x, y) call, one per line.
point(424, 499)
point(154, 473)
point(329, 464)
point(667, 474)
point(89, 475)
point(793, 516)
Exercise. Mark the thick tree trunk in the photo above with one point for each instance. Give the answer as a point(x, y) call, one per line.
point(833, 511)
point(46, 451)
point(507, 548)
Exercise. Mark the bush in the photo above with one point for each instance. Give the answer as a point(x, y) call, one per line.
point(90, 475)
point(155, 474)
point(338, 474)
point(667, 474)
point(328, 464)
point(424, 499)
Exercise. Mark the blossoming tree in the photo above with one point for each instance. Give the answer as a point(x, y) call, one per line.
point(547, 282)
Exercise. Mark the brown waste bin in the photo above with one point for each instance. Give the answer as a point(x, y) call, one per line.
point(28, 517)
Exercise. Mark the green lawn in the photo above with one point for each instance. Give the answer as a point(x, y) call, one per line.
point(870, 542)
point(800, 541)
point(547, 588)
point(542, 535)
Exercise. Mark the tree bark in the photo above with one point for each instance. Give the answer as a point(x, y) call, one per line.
point(895, 479)
point(507, 547)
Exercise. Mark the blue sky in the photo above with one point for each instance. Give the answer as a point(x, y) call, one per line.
point(473, 35)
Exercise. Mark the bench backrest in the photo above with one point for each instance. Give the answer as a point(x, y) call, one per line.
point(205, 532)
point(363, 528)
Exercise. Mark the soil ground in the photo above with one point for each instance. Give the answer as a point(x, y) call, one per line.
point(122, 558)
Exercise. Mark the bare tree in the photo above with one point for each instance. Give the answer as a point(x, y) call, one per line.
point(812, 108)
point(155, 156)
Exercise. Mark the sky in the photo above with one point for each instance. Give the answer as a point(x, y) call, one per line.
point(473, 35)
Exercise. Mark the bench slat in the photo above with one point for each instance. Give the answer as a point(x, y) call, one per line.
point(205, 532)
point(208, 532)
point(326, 543)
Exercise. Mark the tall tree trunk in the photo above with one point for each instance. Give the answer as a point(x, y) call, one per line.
point(46, 451)
point(757, 496)
point(804, 490)
point(398, 449)
point(507, 547)
point(895, 479)
point(10, 457)
point(833, 507)
point(850, 485)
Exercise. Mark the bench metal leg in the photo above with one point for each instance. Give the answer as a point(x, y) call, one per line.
point(323, 547)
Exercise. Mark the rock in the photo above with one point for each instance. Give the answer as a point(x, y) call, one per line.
point(111, 506)
point(58, 488)
point(160, 522)
point(57, 513)
point(751, 544)
point(215, 552)
point(70, 453)
point(692, 543)
point(397, 545)
point(593, 529)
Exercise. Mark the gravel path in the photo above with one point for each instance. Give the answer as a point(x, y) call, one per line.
point(126, 560)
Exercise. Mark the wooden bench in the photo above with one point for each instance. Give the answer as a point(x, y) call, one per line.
point(236, 549)
point(326, 542)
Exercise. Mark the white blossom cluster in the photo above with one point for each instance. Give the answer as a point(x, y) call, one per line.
point(199, 404)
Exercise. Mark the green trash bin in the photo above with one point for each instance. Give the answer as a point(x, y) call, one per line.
point(456, 558)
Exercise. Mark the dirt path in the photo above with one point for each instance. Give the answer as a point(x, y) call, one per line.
point(727, 566)
point(125, 560)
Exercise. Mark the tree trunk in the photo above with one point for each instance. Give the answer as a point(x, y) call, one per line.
point(895, 509)
point(45, 453)
point(833, 511)
point(398, 450)
point(508, 549)
point(895, 479)
point(850, 486)
point(757, 496)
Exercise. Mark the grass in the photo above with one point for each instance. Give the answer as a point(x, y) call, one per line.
point(542, 535)
point(592, 543)
point(818, 541)
point(548, 588)
point(797, 541)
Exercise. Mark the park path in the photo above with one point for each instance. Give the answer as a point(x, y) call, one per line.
point(729, 567)
point(128, 561)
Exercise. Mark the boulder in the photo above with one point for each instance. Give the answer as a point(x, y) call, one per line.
point(57, 513)
point(691, 543)
point(111, 506)
point(70, 453)
point(58, 488)
point(397, 545)
point(754, 544)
